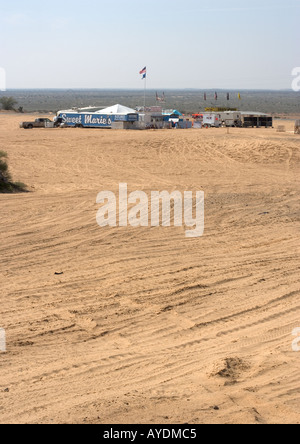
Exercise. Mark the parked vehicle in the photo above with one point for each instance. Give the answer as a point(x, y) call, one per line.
point(297, 127)
point(38, 123)
point(211, 120)
point(231, 119)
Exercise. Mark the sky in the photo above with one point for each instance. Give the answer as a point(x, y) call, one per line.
point(184, 44)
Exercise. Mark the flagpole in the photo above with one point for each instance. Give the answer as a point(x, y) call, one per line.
point(145, 87)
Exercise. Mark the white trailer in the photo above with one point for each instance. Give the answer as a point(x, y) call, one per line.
point(211, 120)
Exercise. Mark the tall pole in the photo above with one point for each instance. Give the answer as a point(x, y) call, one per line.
point(145, 87)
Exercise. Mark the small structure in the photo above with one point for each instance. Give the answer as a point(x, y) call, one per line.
point(185, 124)
point(176, 120)
point(197, 116)
point(297, 127)
point(281, 129)
point(171, 114)
point(258, 120)
point(152, 118)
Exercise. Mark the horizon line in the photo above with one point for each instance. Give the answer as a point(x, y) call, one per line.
point(150, 89)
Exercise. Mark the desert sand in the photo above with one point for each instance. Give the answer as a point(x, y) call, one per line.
point(144, 325)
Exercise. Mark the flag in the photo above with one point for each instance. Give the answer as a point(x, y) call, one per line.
point(144, 76)
point(143, 71)
point(160, 99)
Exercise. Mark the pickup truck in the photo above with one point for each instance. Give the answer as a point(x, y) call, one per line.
point(38, 123)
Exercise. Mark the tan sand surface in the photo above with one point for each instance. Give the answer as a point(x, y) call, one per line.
point(145, 325)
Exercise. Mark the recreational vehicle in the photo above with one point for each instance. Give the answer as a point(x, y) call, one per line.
point(231, 119)
point(211, 120)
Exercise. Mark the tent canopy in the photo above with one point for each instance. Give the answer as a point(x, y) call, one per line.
point(117, 109)
point(170, 112)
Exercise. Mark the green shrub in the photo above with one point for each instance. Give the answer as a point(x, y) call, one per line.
point(8, 103)
point(4, 174)
point(6, 185)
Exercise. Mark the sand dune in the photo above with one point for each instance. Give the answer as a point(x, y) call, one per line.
point(145, 325)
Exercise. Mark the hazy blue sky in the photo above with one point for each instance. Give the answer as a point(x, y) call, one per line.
point(185, 44)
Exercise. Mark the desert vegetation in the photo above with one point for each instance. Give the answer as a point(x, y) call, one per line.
point(6, 184)
point(8, 103)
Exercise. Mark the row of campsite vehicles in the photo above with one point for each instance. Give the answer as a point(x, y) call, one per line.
point(234, 119)
point(131, 119)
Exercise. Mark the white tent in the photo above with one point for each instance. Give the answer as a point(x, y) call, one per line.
point(117, 110)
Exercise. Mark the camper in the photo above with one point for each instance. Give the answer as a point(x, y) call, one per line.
point(211, 120)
